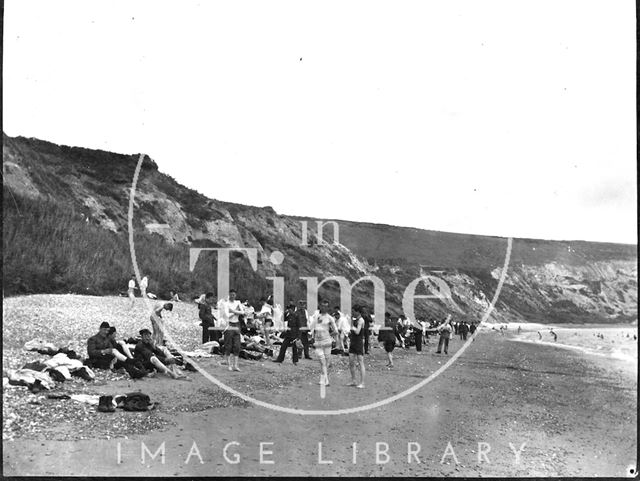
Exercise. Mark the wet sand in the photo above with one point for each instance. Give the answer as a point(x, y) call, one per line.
point(575, 417)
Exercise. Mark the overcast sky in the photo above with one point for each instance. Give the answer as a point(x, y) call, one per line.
point(510, 118)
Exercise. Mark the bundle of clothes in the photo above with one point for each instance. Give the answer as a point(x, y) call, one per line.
point(43, 374)
point(133, 401)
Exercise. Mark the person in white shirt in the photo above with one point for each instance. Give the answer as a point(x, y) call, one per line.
point(232, 309)
point(343, 324)
point(322, 326)
point(144, 283)
point(131, 291)
point(266, 319)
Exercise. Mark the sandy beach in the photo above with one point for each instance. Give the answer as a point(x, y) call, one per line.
point(564, 413)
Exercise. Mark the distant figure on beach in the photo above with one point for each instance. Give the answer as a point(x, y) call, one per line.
point(463, 330)
point(144, 283)
point(473, 328)
point(555, 336)
point(634, 337)
point(519, 329)
point(445, 334)
point(131, 291)
point(539, 336)
point(387, 336)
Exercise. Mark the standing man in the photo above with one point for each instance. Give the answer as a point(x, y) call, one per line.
point(266, 320)
point(343, 323)
point(131, 291)
point(417, 332)
point(464, 330)
point(208, 319)
point(303, 325)
point(445, 334)
point(233, 311)
point(144, 283)
point(157, 323)
point(368, 322)
point(399, 331)
point(473, 328)
point(356, 347)
point(292, 332)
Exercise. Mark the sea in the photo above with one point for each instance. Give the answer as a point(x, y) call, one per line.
point(615, 342)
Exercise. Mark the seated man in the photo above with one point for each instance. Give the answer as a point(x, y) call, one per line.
point(119, 345)
point(102, 354)
point(153, 357)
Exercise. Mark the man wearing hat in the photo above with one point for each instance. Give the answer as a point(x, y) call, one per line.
point(292, 333)
point(101, 353)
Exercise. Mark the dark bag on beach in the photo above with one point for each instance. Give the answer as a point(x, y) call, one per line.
point(136, 401)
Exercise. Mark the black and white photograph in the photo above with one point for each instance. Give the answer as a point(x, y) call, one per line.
point(317, 239)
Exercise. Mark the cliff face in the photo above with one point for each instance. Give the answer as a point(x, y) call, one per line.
point(546, 281)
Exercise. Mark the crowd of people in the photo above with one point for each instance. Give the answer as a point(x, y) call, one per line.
point(236, 329)
point(232, 327)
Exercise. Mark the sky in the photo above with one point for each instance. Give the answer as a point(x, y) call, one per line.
point(513, 118)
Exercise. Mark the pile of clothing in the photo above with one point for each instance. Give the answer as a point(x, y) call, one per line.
point(39, 375)
point(49, 349)
point(133, 401)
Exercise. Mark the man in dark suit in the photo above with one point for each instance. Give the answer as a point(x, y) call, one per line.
point(292, 333)
point(207, 319)
point(464, 330)
point(303, 323)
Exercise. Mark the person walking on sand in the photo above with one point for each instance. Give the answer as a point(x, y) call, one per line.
point(131, 291)
point(322, 326)
point(555, 336)
point(539, 336)
point(356, 347)
point(445, 333)
point(387, 337)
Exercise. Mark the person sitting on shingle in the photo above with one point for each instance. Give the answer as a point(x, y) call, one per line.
point(102, 354)
point(152, 357)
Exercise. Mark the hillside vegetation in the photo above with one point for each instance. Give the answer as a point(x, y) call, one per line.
point(65, 230)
